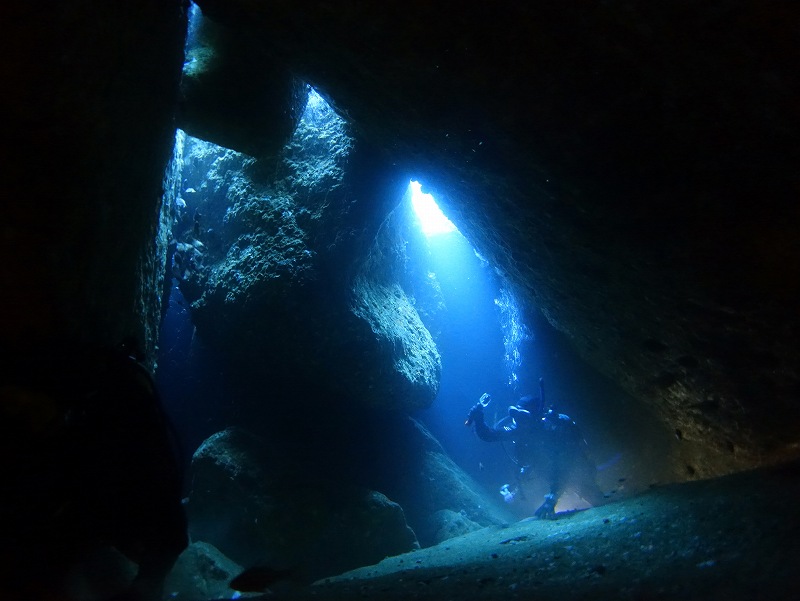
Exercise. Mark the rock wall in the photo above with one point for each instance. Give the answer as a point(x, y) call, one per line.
point(268, 251)
point(245, 505)
point(90, 93)
point(246, 501)
point(382, 298)
point(231, 99)
point(629, 166)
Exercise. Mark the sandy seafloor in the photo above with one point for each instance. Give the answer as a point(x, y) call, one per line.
point(731, 538)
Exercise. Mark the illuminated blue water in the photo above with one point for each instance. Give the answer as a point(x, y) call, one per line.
point(473, 353)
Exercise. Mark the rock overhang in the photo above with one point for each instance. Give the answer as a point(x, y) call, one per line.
point(594, 177)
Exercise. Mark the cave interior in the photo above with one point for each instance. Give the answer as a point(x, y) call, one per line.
point(235, 186)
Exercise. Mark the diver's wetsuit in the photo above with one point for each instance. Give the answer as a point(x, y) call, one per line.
point(552, 445)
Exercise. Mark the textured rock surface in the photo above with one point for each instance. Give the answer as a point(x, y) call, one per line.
point(250, 505)
point(388, 309)
point(629, 166)
point(428, 483)
point(231, 99)
point(230, 489)
point(245, 505)
point(202, 572)
point(268, 263)
point(678, 542)
point(447, 524)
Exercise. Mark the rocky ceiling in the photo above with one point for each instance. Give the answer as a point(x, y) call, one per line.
point(630, 166)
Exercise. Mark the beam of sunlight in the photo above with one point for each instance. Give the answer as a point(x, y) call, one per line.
point(431, 219)
point(515, 332)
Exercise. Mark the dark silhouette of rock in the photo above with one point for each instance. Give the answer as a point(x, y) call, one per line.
point(245, 504)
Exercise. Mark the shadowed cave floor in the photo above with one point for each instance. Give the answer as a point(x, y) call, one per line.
point(729, 538)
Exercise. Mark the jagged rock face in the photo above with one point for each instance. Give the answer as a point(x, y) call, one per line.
point(266, 254)
point(252, 106)
point(448, 524)
point(253, 505)
point(629, 167)
point(383, 297)
point(254, 246)
point(395, 325)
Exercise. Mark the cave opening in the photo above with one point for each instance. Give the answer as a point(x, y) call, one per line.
point(432, 219)
point(642, 219)
point(300, 279)
point(481, 336)
point(253, 339)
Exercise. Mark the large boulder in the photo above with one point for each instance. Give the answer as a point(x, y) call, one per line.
point(434, 490)
point(270, 254)
point(232, 100)
point(202, 572)
point(391, 305)
point(244, 503)
point(230, 489)
point(447, 523)
point(257, 503)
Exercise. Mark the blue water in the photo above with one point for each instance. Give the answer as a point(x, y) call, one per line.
point(190, 378)
point(472, 350)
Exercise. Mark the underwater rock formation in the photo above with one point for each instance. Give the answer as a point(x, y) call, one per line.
point(682, 542)
point(262, 262)
point(202, 572)
point(246, 504)
point(447, 523)
point(429, 483)
point(228, 99)
point(254, 507)
point(229, 489)
point(629, 167)
point(382, 298)
point(89, 133)
point(413, 378)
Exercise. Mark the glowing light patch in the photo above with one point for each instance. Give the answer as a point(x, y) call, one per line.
point(431, 219)
point(318, 112)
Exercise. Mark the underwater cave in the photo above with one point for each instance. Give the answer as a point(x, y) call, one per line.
point(389, 301)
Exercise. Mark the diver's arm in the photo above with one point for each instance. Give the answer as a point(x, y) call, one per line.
point(486, 433)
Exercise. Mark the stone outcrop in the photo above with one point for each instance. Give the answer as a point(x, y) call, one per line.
point(433, 489)
point(265, 251)
point(244, 504)
point(447, 523)
point(202, 572)
point(232, 100)
point(254, 508)
point(630, 167)
point(383, 299)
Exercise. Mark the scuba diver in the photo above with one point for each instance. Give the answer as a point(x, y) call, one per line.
point(88, 466)
point(543, 441)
